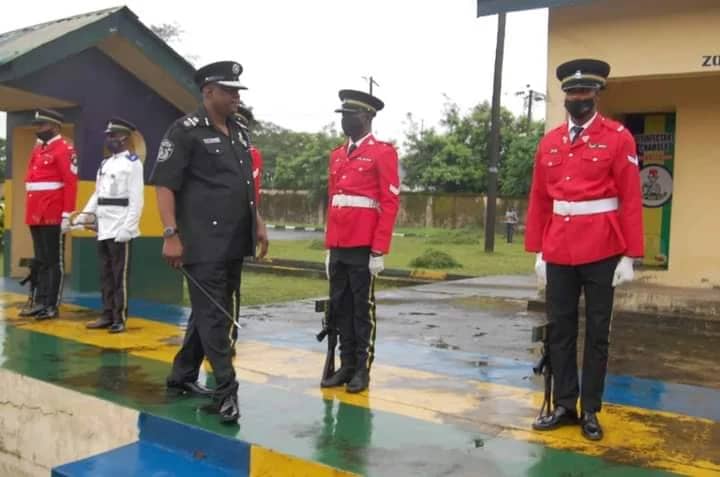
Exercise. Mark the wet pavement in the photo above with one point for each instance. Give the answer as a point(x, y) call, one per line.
point(452, 390)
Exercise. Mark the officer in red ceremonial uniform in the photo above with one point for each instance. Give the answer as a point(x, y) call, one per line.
point(51, 185)
point(585, 224)
point(363, 189)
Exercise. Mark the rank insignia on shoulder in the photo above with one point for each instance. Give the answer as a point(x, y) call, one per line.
point(621, 128)
point(633, 159)
point(191, 121)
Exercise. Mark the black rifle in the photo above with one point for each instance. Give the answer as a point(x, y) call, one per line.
point(329, 330)
point(544, 367)
point(30, 278)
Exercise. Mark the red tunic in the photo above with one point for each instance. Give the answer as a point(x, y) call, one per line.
point(602, 163)
point(370, 171)
point(51, 182)
point(257, 170)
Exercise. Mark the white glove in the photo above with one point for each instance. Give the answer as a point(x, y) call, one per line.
point(65, 222)
point(123, 235)
point(376, 265)
point(327, 264)
point(541, 268)
point(623, 272)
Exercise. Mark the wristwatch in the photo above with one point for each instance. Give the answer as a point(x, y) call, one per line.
point(169, 232)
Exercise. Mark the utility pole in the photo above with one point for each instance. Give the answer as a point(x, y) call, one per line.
point(529, 97)
point(371, 81)
point(490, 210)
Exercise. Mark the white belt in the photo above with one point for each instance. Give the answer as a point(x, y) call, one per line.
point(586, 207)
point(354, 201)
point(35, 186)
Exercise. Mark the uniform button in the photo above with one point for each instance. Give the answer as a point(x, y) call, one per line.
point(595, 159)
point(29, 195)
point(567, 219)
point(214, 222)
point(343, 177)
point(550, 163)
point(571, 154)
point(248, 182)
point(241, 162)
point(360, 169)
point(567, 178)
point(252, 203)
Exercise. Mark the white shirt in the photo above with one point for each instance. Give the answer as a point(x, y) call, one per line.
point(120, 176)
point(360, 141)
point(584, 127)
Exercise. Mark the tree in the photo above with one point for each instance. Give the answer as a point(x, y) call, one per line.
point(516, 172)
point(305, 165)
point(168, 32)
point(172, 33)
point(454, 159)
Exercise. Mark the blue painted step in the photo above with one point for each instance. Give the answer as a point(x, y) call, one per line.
point(166, 449)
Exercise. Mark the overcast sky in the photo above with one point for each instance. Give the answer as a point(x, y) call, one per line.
point(298, 54)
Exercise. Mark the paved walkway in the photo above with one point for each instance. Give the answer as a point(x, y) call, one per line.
point(452, 392)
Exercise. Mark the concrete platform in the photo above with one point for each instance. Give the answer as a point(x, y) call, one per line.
point(452, 392)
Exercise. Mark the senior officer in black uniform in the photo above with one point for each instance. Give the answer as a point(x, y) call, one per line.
point(205, 192)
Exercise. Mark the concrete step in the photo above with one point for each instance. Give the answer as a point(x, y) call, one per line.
point(166, 448)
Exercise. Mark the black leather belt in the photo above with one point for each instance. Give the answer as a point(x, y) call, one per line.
point(111, 201)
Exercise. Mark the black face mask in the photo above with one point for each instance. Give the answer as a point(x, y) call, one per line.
point(115, 145)
point(45, 136)
point(352, 125)
point(579, 108)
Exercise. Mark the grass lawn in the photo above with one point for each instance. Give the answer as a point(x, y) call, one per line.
point(263, 288)
point(466, 246)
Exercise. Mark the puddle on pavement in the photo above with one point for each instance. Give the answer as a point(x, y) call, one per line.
point(491, 304)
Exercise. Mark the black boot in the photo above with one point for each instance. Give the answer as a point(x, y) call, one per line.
point(117, 327)
point(229, 409)
point(360, 381)
point(32, 310)
point(590, 425)
point(49, 312)
point(100, 323)
point(561, 416)
point(341, 376)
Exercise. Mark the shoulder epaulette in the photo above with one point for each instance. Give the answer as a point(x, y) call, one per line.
point(191, 121)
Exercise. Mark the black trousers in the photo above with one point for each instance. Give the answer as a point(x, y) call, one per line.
point(235, 311)
point(48, 247)
point(352, 302)
point(114, 278)
point(208, 329)
point(564, 284)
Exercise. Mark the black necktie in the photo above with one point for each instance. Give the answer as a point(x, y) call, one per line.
point(351, 148)
point(576, 130)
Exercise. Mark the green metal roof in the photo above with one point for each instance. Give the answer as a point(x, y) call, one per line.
point(492, 7)
point(32, 48)
point(14, 44)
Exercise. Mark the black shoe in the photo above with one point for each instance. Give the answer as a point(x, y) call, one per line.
point(118, 327)
point(98, 324)
point(190, 388)
point(341, 377)
point(32, 311)
point(48, 313)
point(359, 382)
point(590, 426)
point(560, 417)
point(229, 409)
